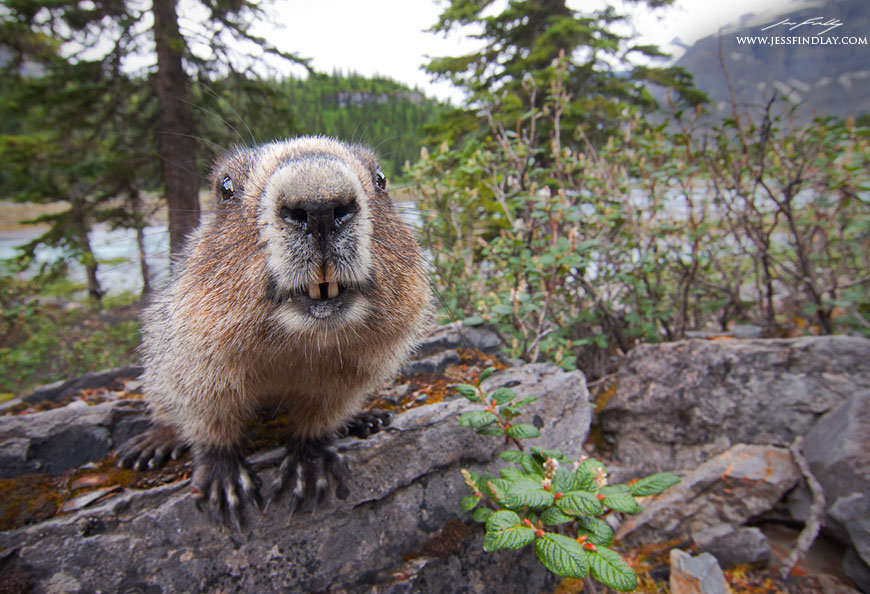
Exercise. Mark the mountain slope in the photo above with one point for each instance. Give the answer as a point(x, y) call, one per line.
point(821, 78)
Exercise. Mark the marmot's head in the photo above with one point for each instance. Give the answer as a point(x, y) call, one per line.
point(313, 202)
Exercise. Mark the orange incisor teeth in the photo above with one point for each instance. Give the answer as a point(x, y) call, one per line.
point(315, 290)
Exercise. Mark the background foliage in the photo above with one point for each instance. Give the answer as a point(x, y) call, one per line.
point(578, 252)
point(582, 200)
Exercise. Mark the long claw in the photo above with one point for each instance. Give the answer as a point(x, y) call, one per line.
point(308, 469)
point(223, 486)
point(151, 448)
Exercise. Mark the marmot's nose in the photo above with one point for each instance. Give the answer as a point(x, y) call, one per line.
point(320, 219)
point(320, 223)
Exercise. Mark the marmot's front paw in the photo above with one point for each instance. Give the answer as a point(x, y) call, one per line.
point(151, 449)
point(308, 469)
point(366, 423)
point(223, 485)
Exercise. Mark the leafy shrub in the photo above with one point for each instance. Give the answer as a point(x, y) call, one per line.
point(573, 250)
point(547, 499)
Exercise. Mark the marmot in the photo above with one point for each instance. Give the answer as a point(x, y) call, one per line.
point(305, 290)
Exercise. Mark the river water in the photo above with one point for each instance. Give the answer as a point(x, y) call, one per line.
point(119, 271)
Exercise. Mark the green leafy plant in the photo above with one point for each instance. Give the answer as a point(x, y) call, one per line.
point(546, 499)
point(577, 251)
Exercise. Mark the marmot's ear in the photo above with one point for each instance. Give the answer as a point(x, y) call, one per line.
point(365, 155)
point(370, 162)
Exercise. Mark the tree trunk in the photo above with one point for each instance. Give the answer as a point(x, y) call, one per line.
point(175, 137)
point(95, 291)
point(136, 205)
point(82, 229)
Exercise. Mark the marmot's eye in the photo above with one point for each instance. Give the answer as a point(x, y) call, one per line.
point(227, 188)
point(380, 179)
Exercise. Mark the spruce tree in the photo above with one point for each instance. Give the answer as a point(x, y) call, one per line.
point(521, 45)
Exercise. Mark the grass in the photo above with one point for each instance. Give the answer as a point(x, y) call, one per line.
point(45, 340)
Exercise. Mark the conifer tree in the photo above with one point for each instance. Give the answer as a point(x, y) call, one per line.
point(521, 44)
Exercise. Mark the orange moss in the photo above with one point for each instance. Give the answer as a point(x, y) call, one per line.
point(569, 586)
point(28, 499)
point(437, 387)
point(604, 392)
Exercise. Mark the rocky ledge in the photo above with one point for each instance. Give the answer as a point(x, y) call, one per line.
point(400, 528)
point(725, 415)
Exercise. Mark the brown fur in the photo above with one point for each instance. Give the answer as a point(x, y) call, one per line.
point(227, 336)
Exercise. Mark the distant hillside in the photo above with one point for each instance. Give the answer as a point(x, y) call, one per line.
point(379, 112)
point(825, 79)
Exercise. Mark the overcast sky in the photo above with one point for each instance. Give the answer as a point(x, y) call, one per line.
point(387, 36)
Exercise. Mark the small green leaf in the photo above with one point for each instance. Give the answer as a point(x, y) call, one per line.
point(468, 391)
point(523, 431)
point(497, 489)
point(532, 466)
point(483, 480)
point(505, 530)
point(512, 474)
point(562, 555)
point(481, 514)
point(563, 480)
point(579, 503)
point(654, 484)
point(486, 373)
point(502, 520)
point(543, 454)
point(552, 516)
point(476, 419)
point(503, 396)
point(528, 493)
point(591, 465)
point(493, 430)
point(611, 570)
point(514, 456)
point(527, 400)
point(473, 321)
point(584, 481)
point(618, 498)
point(469, 502)
point(596, 530)
point(503, 309)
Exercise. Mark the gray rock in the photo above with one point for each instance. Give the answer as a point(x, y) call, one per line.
point(856, 570)
point(12, 403)
point(432, 364)
point(88, 381)
point(57, 440)
point(469, 569)
point(458, 336)
point(678, 404)
point(739, 484)
point(733, 546)
point(838, 451)
point(696, 575)
point(404, 486)
point(747, 331)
